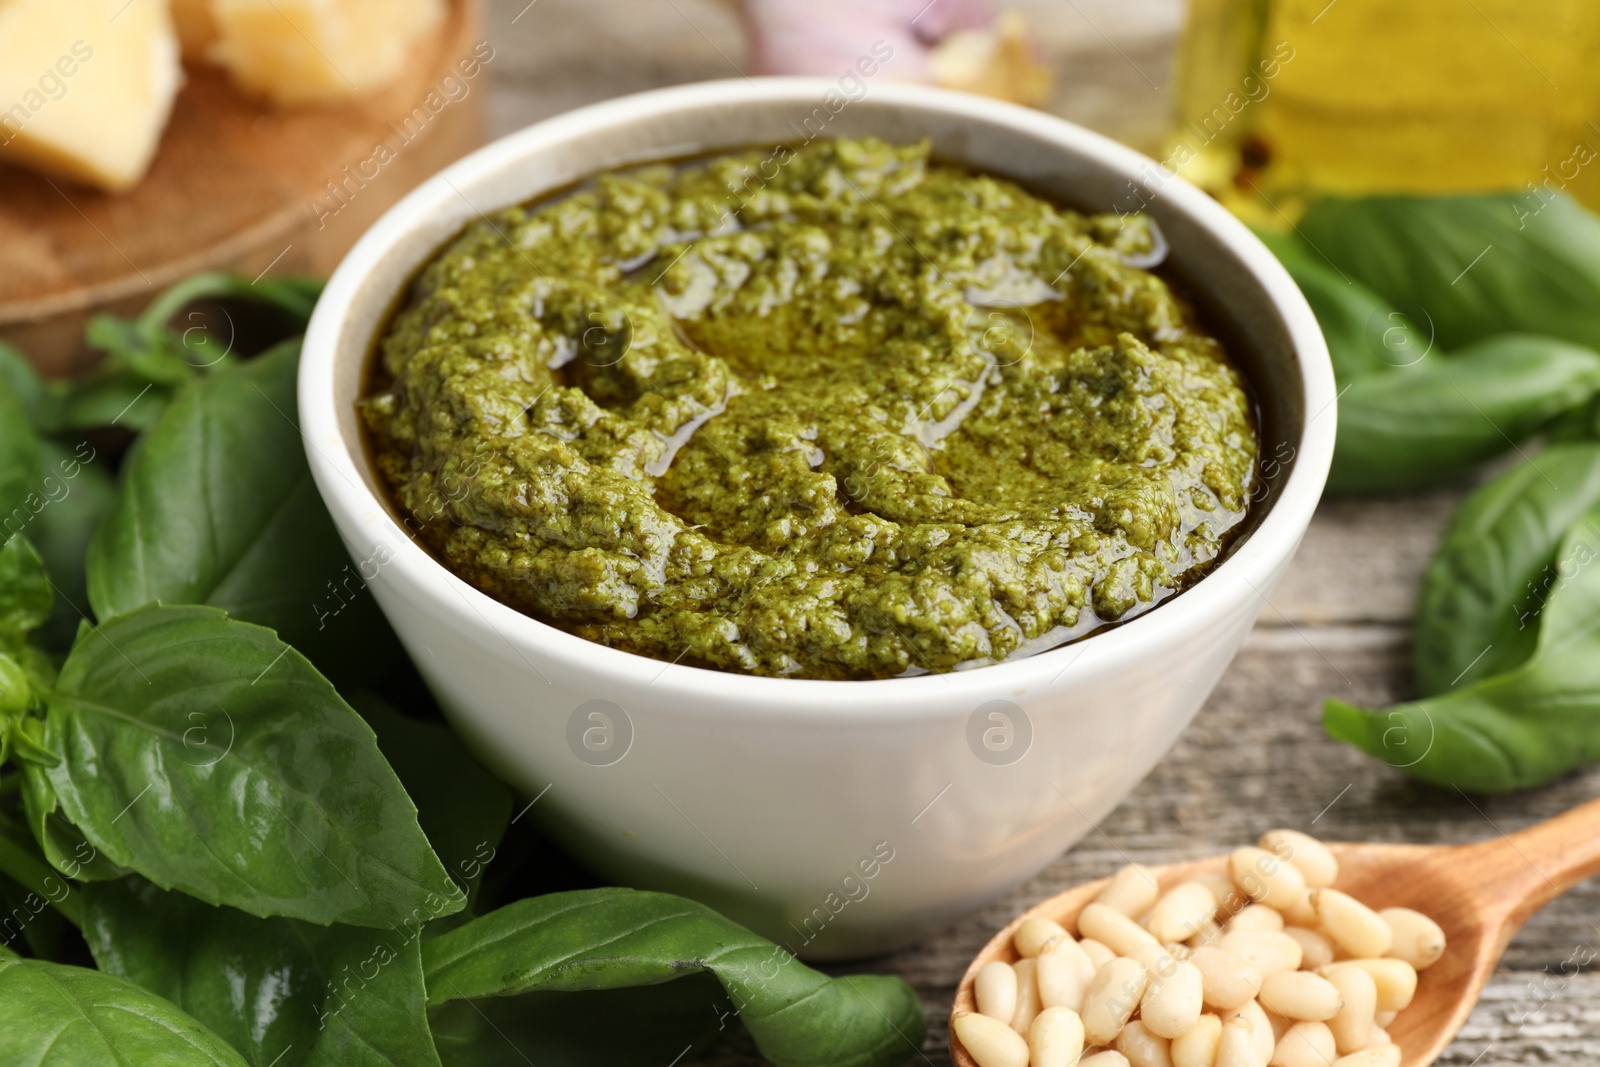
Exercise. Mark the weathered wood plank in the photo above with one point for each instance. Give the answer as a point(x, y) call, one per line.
point(556, 55)
point(1362, 560)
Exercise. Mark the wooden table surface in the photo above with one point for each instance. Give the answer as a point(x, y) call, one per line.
point(1339, 624)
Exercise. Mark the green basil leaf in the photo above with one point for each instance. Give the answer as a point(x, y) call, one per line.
point(1404, 431)
point(27, 388)
point(210, 757)
point(1579, 424)
point(17, 695)
point(25, 594)
point(109, 397)
point(138, 355)
point(150, 350)
point(19, 464)
point(22, 862)
point(62, 843)
point(1515, 730)
point(462, 808)
point(665, 1023)
point(294, 295)
point(23, 733)
point(1488, 582)
point(57, 1016)
point(1474, 266)
point(615, 938)
point(79, 487)
point(282, 992)
point(148, 362)
point(218, 507)
point(1365, 334)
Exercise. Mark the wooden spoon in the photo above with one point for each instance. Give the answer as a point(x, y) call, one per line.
point(1479, 894)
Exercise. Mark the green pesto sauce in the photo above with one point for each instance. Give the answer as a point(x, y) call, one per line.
point(836, 412)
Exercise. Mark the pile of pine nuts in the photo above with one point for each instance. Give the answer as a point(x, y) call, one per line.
point(1265, 965)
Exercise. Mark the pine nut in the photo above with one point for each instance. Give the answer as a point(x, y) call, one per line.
point(1198, 1048)
point(1395, 980)
point(1351, 923)
point(1352, 1027)
point(1315, 949)
point(1237, 1045)
point(1027, 996)
point(1143, 1048)
point(1415, 938)
point(1255, 917)
point(1387, 1056)
point(1034, 934)
point(1208, 934)
point(1305, 1045)
point(1172, 1008)
point(1301, 913)
point(996, 990)
point(1262, 964)
point(1181, 912)
point(1114, 929)
point(1301, 996)
point(1268, 951)
point(1261, 1028)
point(1132, 890)
point(1229, 899)
point(990, 1042)
point(1227, 980)
point(1159, 961)
point(1062, 979)
point(1115, 991)
point(1071, 949)
point(1056, 1038)
point(1266, 878)
point(1098, 953)
point(1076, 952)
point(1314, 859)
point(1108, 1058)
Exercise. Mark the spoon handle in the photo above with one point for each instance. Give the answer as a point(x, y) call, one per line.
point(1532, 867)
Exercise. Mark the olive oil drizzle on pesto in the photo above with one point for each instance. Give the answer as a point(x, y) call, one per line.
point(869, 416)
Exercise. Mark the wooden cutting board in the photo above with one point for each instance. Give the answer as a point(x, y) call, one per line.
point(237, 185)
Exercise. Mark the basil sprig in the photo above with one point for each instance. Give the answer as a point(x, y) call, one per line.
point(1407, 431)
point(209, 756)
point(1484, 593)
point(606, 939)
point(149, 360)
point(218, 507)
point(1516, 729)
point(1474, 266)
point(1461, 327)
point(1437, 376)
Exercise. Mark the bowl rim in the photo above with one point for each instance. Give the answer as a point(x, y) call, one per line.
point(1246, 571)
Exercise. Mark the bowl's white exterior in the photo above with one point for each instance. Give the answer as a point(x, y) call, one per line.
point(838, 817)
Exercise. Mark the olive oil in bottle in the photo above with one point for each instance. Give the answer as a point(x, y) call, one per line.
point(1282, 100)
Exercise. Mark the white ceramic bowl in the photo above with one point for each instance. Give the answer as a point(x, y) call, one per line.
point(838, 817)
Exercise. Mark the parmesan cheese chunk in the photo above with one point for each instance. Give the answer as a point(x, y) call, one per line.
point(86, 86)
point(318, 51)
